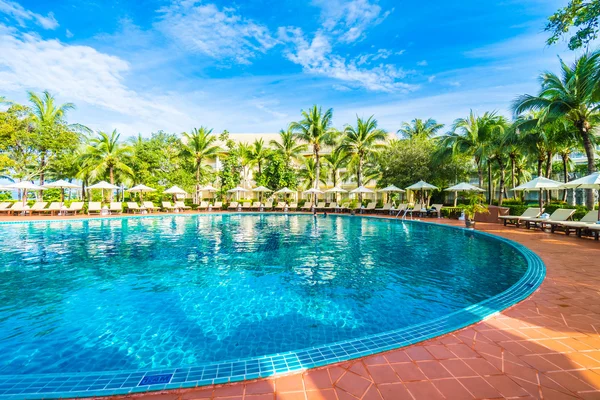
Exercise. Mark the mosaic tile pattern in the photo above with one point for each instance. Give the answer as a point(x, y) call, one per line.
point(113, 383)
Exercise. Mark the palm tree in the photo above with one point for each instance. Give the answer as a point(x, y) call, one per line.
point(419, 128)
point(199, 146)
point(361, 142)
point(259, 153)
point(315, 129)
point(471, 135)
point(308, 174)
point(103, 155)
point(48, 120)
point(337, 160)
point(244, 151)
point(574, 96)
point(288, 147)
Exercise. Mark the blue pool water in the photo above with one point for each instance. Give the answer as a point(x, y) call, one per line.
point(140, 293)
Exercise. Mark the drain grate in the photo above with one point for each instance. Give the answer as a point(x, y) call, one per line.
point(155, 380)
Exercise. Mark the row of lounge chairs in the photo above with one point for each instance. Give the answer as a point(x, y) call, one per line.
point(94, 207)
point(558, 221)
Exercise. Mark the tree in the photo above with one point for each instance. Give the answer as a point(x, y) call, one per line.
point(361, 142)
point(580, 14)
point(54, 135)
point(315, 129)
point(337, 161)
point(259, 153)
point(18, 144)
point(106, 156)
point(417, 128)
point(288, 147)
point(277, 174)
point(308, 174)
point(572, 96)
point(199, 145)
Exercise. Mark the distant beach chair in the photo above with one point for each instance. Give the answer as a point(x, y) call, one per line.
point(203, 205)
point(94, 207)
point(255, 205)
point(370, 207)
point(268, 206)
point(280, 205)
point(38, 207)
point(167, 206)
point(331, 206)
point(575, 226)
point(386, 208)
point(233, 205)
point(181, 206)
point(217, 206)
point(75, 208)
point(148, 205)
point(531, 212)
point(307, 206)
point(293, 207)
point(133, 207)
point(115, 207)
point(436, 209)
point(559, 215)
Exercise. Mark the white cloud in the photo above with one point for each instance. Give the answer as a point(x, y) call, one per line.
point(316, 58)
point(349, 19)
point(69, 34)
point(422, 63)
point(21, 15)
point(431, 78)
point(76, 73)
point(218, 33)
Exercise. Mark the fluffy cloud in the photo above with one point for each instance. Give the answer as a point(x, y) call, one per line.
point(349, 19)
point(21, 15)
point(218, 33)
point(78, 73)
point(316, 57)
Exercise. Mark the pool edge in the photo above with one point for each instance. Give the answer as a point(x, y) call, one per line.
point(98, 384)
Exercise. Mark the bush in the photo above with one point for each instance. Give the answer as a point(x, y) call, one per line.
point(516, 209)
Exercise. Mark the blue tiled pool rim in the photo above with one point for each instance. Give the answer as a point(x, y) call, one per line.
point(108, 383)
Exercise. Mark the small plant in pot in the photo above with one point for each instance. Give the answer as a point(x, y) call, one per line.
point(475, 206)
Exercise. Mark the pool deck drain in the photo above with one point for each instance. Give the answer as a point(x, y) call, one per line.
point(545, 346)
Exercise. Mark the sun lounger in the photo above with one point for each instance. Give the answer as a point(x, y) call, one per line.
point(233, 205)
point(180, 205)
point(203, 206)
point(559, 215)
point(255, 205)
point(246, 205)
point(293, 207)
point(217, 206)
point(280, 205)
point(575, 226)
point(148, 205)
point(320, 205)
point(369, 207)
point(418, 209)
point(94, 207)
point(115, 207)
point(268, 206)
point(38, 207)
point(307, 206)
point(531, 212)
point(8, 209)
point(4, 205)
point(17, 209)
point(436, 209)
point(54, 208)
point(386, 208)
point(167, 206)
point(331, 207)
point(75, 208)
point(133, 207)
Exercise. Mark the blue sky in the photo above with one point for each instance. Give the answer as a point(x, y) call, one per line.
point(251, 66)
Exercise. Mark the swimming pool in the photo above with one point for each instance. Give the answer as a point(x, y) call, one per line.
point(93, 307)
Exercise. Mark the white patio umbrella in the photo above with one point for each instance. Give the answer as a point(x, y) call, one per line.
point(238, 190)
point(175, 190)
point(25, 186)
point(207, 188)
point(103, 185)
point(540, 183)
point(587, 182)
point(284, 190)
point(391, 189)
point(463, 187)
point(141, 189)
point(62, 185)
point(335, 190)
point(314, 192)
point(422, 186)
point(260, 190)
point(361, 190)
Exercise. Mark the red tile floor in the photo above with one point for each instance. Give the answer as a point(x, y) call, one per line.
point(546, 347)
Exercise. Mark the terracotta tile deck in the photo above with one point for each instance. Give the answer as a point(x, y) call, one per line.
point(546, 347)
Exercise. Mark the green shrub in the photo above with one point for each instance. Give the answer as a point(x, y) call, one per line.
point(516, 209)
point(512, 202)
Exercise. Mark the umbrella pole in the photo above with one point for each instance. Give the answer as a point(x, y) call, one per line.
point(455, 198)
point(541, 200)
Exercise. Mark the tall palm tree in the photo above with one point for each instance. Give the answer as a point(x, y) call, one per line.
point(105, 155)
point(361, 142)
point(259, 153)
point(471, 136)
point(199, 145)
point(419, 128)
point(48, 120)
point(287, 146)
point(308, 174)
point(337, 161)
point(315, 129)
point(572, 95)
